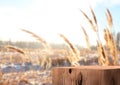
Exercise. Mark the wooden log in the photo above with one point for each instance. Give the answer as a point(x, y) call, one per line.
point(1, 74)
point(86, 75)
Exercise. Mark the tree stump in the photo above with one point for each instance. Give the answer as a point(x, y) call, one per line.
point(86, 75)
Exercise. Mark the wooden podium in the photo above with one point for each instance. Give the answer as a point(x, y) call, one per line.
point(86, 75)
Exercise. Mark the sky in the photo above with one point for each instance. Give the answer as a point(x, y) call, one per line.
point(48, 18)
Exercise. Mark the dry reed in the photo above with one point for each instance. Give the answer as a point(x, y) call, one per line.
point(94, 17)
point(87, 38)
point(43, 42)
point(45, 61)
point(92, 24)
point(102, 56)
point(110, 42)
point(75, 55)
point(109, 18)
point(15, 49)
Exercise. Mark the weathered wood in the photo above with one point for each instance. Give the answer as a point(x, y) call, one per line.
point(86, 75)
point(1, 74)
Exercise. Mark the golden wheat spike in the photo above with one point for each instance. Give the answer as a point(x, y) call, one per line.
point(69, 43)
point(15, 49)
point(109, 37)
point(86, 37)
point(45, 44)
point(71, 59)
point(113, 49)
point(94, 18)
point(109, 18)
point(102, 59)
point(106, 37)
point(111, 45)
point(114, 54)
point(90, 21)
point(75, 53)
point(69, 56)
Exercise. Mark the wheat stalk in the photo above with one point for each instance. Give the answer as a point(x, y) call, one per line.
point(111, 45)
point(94, 17)
point(44, 43)
point(72, 59)
point(107, 37)
point(75, 53)
point(102, 56)
point(93, 23)
point(15, 49)
point(69, 56)
point(109, 18)
point(45, 61)
point(69, 43)
point(87, 38)
point(90, 21)
point(110, 42)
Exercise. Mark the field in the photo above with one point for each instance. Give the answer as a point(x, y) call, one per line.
point(33, 66)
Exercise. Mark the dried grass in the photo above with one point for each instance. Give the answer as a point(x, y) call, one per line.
point(94, 17)
point(92, 24)
point(15, 49)
point(108, 36)
point(109, 18)
point(42, 41)
point(45, 61)
point(75, 55)
point(86, 38)
point(110, 44)
point(102, 56)
point(110, 41)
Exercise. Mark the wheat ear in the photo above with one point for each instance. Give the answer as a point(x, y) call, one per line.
point(75, 53)
point(94, 17)
point(15, 49)
point(87, 38)
point(112, 46)
point(102, 56)
point(109, 18)
point(90, 21)
point(44, 43)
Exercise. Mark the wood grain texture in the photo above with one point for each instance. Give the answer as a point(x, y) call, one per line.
point(86, 75)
